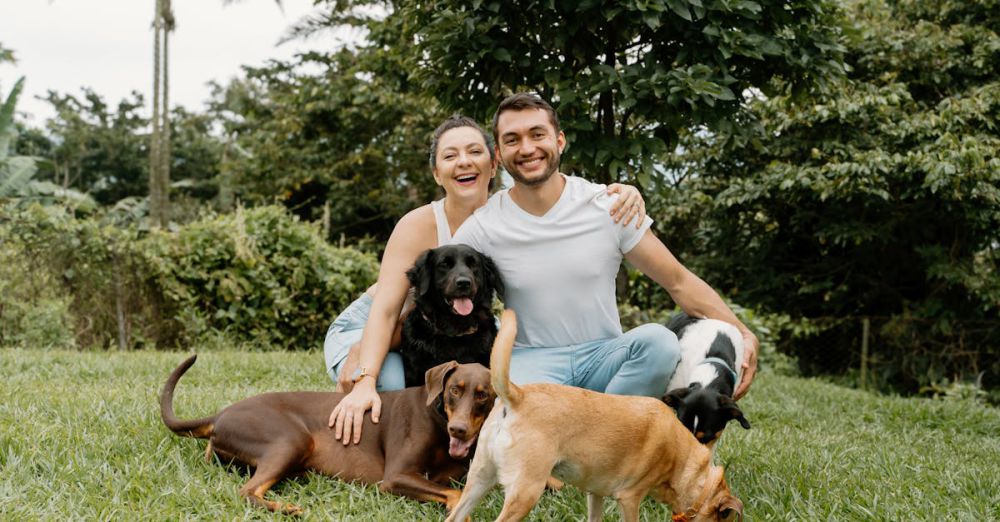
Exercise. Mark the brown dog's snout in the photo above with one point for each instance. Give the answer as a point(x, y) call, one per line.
point(459, 430)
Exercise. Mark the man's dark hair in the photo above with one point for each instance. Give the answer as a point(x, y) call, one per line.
point(524, 101)
point(453, 122)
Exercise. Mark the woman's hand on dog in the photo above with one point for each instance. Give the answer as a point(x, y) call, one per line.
point(750, 348)
point(629, 206)
point(349, 415)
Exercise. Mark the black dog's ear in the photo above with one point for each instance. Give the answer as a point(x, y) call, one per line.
point(675, 398)
point(492, 275)
point(422, 274)
point(434, 380)
point(729, 405)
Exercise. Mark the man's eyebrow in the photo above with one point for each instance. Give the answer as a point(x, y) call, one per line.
point(532, 129)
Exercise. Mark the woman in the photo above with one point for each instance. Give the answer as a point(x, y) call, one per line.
point(463, 163)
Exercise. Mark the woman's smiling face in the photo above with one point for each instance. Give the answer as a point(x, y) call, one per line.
point(463, 166)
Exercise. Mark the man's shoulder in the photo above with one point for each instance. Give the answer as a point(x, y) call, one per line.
point(493, 205)
point(590, 192)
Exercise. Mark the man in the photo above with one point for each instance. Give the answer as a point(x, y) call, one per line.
point(559, 254)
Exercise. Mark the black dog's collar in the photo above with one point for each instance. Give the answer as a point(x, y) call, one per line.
point(436, 330)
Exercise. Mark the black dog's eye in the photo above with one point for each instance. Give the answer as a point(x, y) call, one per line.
point(447, 262)
point(470, 261)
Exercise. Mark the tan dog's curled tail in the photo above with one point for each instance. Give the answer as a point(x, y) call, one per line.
point(503, 345)
point(200, 428)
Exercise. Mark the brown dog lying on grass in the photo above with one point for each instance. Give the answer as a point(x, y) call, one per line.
point(427, 429)
point(608, 445)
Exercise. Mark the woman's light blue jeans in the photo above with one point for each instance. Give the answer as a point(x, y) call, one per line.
point(345, 331)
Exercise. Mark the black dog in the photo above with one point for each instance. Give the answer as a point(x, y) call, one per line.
point(452, 318)
point(701, 390)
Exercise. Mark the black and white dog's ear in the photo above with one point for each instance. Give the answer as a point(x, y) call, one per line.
point(674, 398)
point(492, 275)
point(421, 276)
point(728, 405)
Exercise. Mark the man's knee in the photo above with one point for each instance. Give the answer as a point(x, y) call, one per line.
point(657, 347)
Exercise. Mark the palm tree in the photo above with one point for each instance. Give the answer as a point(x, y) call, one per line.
point(159, 148)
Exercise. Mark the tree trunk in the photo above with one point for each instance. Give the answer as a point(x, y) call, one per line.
point(165, 132)
point(155, 213)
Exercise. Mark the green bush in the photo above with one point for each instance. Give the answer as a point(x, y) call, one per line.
point(260, 275)
point(257, 277)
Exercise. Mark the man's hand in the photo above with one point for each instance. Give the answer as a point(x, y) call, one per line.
point(344, 382)
point(347, 418)
point(750, 348)
point(630, 204)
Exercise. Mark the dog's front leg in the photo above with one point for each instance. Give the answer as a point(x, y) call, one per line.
point(414, 485)
point(595, 507)
point(482, 477)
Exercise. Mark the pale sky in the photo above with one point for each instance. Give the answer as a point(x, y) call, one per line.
point(63, 45)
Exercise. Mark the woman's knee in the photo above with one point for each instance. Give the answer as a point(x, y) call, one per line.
point(390, 377)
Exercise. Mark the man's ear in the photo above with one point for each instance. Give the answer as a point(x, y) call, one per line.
point(422, 274)
point(434, 380)
point(728, 405)
point(674, 398)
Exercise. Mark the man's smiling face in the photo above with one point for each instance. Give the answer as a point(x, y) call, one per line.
point(529, 146)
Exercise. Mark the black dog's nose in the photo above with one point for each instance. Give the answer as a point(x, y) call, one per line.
point(463, 283)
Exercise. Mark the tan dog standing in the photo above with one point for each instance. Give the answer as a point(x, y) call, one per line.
point(608, 445)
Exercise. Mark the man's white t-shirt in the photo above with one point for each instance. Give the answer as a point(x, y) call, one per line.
point(559, 269)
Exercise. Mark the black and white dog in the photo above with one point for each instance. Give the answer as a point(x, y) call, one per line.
point(701, 390)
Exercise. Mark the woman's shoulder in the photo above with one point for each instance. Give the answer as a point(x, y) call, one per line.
point(417, 226)
point(418, 217)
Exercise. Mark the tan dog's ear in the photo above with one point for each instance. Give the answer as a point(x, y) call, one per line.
point(434, 380)
point(731, 509)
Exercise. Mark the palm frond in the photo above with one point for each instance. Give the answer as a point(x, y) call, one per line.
point(7, 128)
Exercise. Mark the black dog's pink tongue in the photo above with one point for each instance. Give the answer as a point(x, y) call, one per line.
point(459, 449)
point(462, 305)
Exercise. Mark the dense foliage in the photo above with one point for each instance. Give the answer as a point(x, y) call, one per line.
point(626, 77)
point(879, 201)
point(259, 277)
point(337, 137)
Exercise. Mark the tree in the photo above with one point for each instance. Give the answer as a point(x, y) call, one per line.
point(160, 158)
point(98, 148)
point(881, 201)
point(625, 77)
point(339, 135)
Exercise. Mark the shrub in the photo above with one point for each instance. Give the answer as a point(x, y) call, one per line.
point(260, 275)
point(257, 277)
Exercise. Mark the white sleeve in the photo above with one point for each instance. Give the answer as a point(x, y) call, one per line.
point(628, 236)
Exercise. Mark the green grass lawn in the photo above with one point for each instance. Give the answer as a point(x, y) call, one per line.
point(81, 439)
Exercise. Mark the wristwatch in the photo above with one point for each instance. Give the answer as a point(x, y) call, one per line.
point(360, 373)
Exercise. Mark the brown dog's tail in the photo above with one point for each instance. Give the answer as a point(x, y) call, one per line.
point(200, 428)
point(508, 392)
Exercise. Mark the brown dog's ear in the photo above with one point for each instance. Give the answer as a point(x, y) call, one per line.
point(734, 411)
point(675, 397)
point(434, 380)
point(731, 509)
